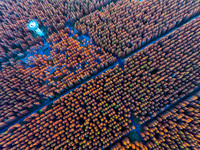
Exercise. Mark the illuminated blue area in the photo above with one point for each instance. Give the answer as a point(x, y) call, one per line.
point(39, 51)
point(45, 50)
point(33, 25)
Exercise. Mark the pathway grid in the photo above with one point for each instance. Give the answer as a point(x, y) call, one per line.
point(121, 64)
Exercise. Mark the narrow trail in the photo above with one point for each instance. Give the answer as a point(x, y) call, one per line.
point(137, 129)
point(53, 100)
point(121, 63)
point(162, 36)
point(172, 105)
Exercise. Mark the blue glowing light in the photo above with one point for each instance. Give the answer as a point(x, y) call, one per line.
point(33, 25)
